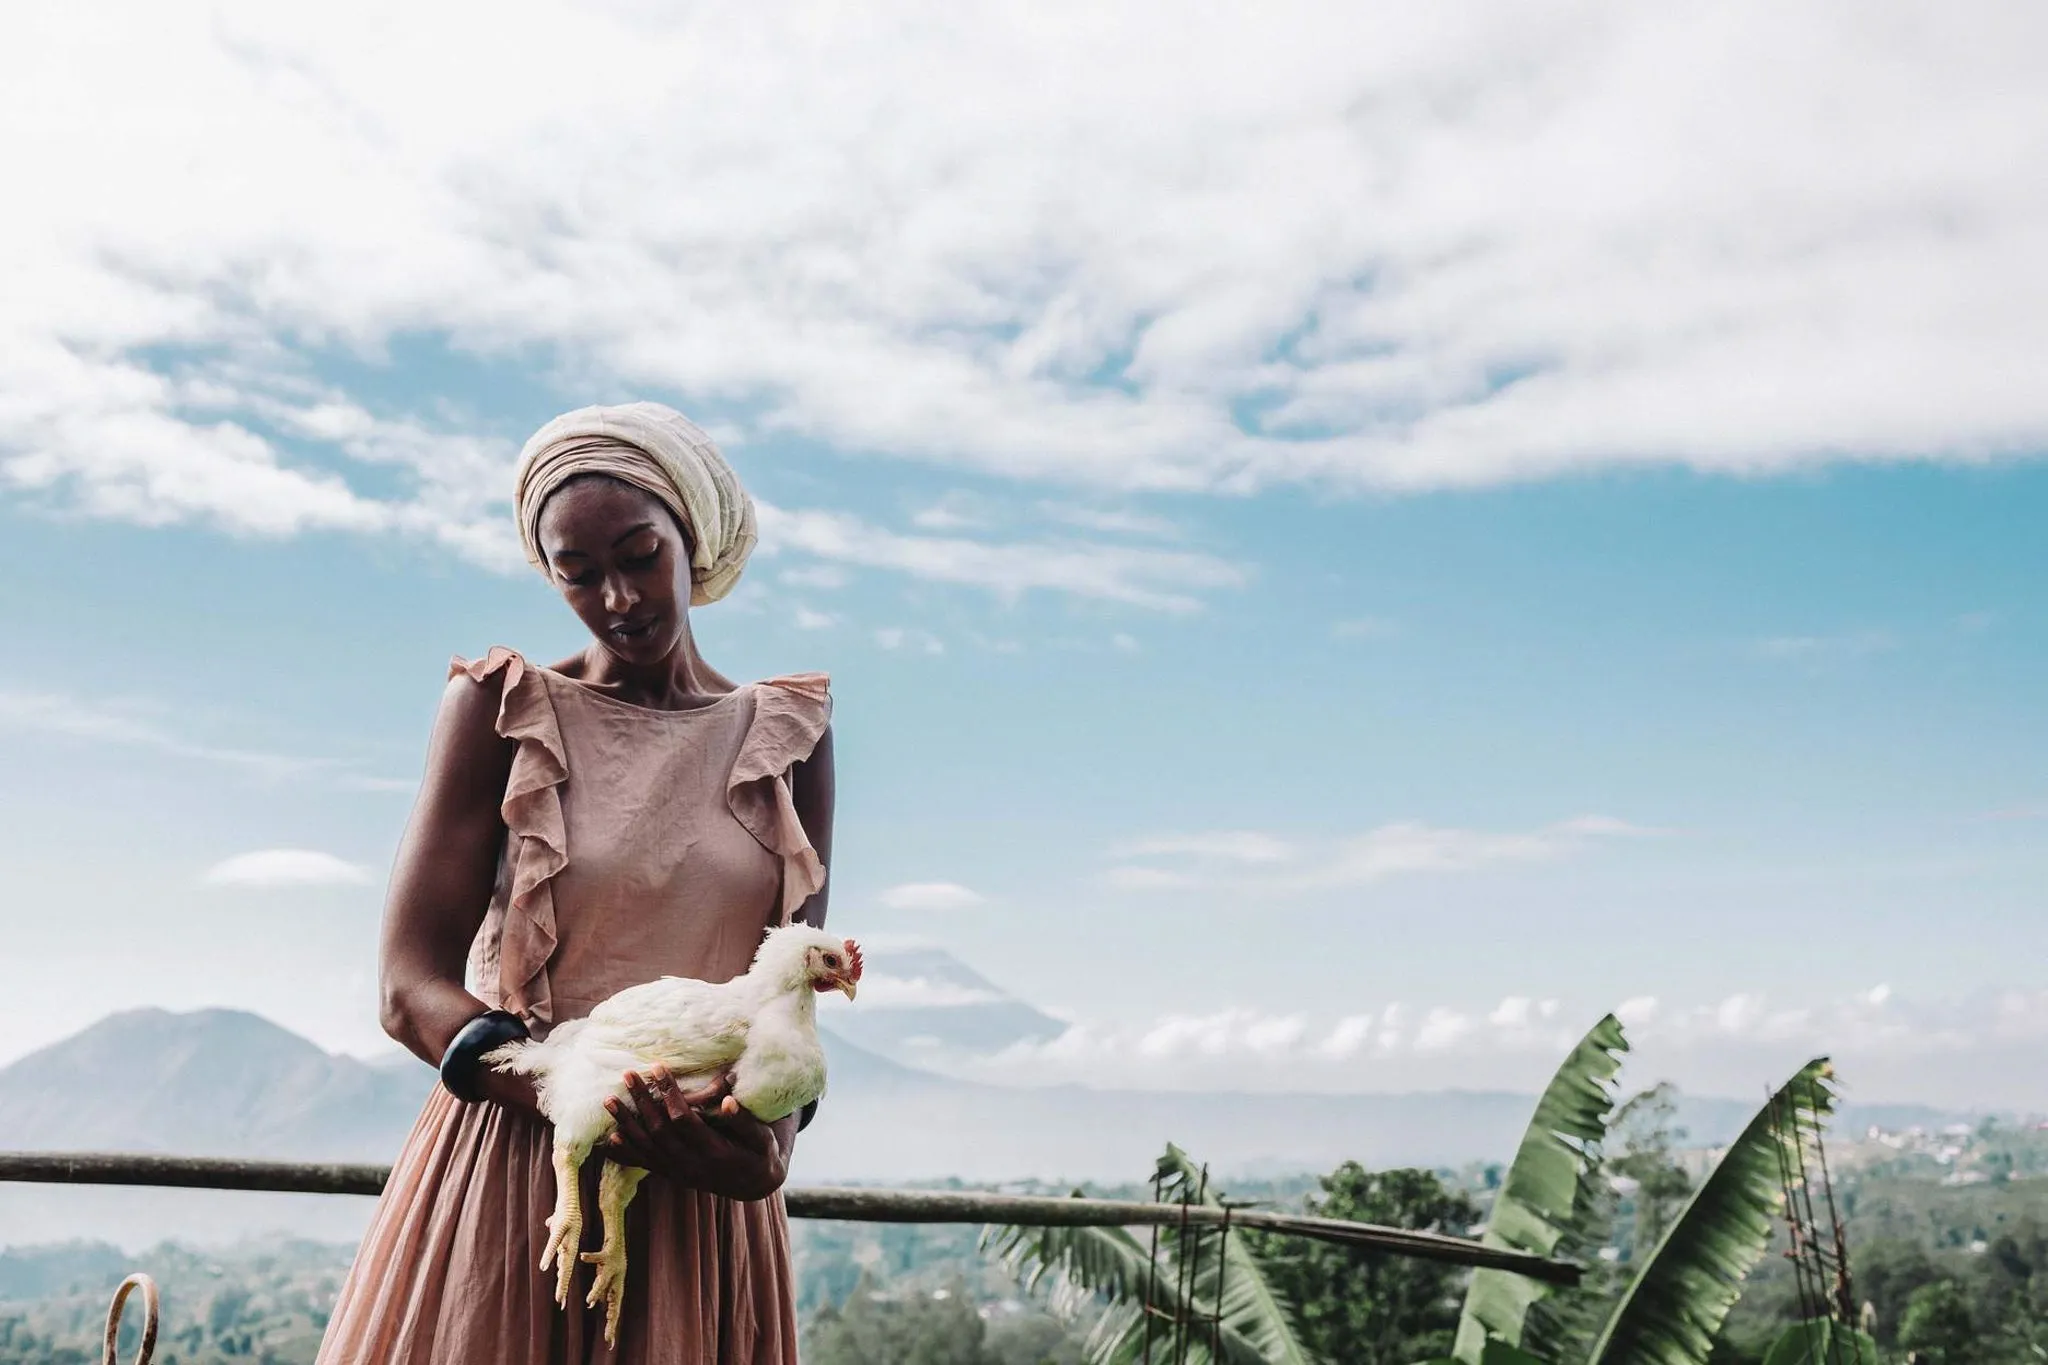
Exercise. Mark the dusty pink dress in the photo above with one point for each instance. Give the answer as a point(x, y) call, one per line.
point(641, 843)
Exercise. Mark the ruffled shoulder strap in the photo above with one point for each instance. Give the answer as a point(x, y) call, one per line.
point(790, 713)
point(537, 840)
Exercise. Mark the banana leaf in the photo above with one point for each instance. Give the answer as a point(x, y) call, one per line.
point(1255, 1325)
point(1544, 1198)
point(1676, 1304)
point(1224, 1267)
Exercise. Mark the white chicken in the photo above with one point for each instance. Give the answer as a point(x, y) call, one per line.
point(760, 1029)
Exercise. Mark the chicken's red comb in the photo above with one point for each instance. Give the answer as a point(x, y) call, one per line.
point(853, 955)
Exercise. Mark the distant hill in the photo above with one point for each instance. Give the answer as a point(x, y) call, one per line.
point(207, 1083)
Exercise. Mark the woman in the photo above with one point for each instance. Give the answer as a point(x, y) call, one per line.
point(626, 814)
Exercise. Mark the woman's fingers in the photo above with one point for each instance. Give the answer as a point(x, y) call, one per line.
point(703, 1098)
point(701, 1134)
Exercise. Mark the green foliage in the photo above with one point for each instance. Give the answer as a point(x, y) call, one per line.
point(1938, 1324)
point(937, 1328)
point(1674, 1307)
point(259, 1302)
point(1361, 1307)
point(1197, 1274)
point(1546, 1196)
point(1640, 1151)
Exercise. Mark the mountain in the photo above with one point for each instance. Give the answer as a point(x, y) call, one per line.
point(207, 1083)
point(922, 1004)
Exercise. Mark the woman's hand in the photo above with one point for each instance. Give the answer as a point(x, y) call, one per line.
point(702, 1138)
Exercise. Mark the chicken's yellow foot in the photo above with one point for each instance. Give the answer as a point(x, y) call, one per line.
point(565, 1224)
point(608, 1285)
point(615, 1188)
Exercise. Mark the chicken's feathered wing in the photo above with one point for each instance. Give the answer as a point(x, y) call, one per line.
point(692, 1027)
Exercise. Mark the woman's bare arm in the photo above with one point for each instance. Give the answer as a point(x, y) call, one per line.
point(441, 881)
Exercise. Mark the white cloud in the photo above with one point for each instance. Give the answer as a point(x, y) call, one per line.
point(1194, 858)
point(1161, 580)
point(134, 726)
point(1513, 1012)
point(824, 577)
point(1443, 1028)
point(954, 512)
point(1435, 246)
point(1109, 521)
point(1228, 845)
point(1410, 846)
point(902, 637)
point(1730, 1046)
point(882, 991)
point(272, 868)
point(1223, 1033)
point(1637, 1011)
point(931, 896)
point(1739, 1013)
point(1250, 858)
point(1347, 1037)
point(1222, 1046)
point(807, 619)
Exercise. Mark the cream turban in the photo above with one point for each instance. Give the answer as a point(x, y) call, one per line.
point(656, 448)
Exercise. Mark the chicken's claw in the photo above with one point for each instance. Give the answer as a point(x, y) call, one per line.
point(608, 1284)
point(565, 1234)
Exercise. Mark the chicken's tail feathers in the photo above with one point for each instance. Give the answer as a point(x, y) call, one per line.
point(518, 1056)
point(532, 1056)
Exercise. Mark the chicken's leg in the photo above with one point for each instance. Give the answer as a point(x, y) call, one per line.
point(615, 1189)
point(565, 1224)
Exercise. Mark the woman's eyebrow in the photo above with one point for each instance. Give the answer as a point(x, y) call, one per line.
point(630, 533)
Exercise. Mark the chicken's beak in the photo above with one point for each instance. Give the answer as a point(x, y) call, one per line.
point(846, 984)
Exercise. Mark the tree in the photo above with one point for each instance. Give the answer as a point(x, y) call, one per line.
point(1938, 1326)
point(1356, 1307)
point(1659, 1186)
point(939, 1327)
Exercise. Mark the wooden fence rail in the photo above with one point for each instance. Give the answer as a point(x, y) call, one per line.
point(844, 1203)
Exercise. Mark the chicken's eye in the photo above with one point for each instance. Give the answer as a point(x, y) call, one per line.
point(831, 961)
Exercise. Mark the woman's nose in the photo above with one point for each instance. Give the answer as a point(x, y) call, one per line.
point(619, 597)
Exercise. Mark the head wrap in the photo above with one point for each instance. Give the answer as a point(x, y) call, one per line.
point(656, 448)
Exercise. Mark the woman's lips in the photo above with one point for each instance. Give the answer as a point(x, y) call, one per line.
point(634, 630)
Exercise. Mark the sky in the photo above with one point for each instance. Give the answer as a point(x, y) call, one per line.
point(1349, 541)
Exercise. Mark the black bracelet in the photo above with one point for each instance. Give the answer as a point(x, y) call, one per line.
point(459, 1064)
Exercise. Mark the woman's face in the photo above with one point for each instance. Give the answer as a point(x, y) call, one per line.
point(621, 562)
